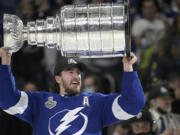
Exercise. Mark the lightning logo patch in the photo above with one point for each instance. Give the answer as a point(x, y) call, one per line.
point(66, 121)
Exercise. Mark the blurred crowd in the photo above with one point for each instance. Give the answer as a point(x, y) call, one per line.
point(156, 42)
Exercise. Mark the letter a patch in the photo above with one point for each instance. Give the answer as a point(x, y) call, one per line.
point(86, 101)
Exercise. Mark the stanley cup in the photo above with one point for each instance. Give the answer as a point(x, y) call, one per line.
point(84, 31)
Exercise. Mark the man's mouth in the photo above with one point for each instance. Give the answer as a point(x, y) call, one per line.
point(75, 82)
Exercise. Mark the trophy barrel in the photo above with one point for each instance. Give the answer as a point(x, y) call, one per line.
point(93, 31)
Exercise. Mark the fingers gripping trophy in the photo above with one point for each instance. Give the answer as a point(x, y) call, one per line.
point(83, 31)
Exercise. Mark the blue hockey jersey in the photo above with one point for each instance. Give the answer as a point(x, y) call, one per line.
point(83, 114)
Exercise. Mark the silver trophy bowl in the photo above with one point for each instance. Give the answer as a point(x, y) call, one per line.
point(84, 31)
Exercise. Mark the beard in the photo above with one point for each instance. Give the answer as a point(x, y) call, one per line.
point(71, 92)
point(69, 89)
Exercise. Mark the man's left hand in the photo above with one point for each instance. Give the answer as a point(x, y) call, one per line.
point(128, 63)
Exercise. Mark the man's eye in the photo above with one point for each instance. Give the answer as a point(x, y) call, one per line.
point(79, 73)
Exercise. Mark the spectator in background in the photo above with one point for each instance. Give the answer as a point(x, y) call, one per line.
point(174, 35)
point(176, 6)
point(172, 10)
point(121, 128)
point(174, 84)
point(168, 123)
point(164, 4)
point(148, 30)
point(161, 62)
point(169, 9)
point(43, 9)
point(91, 83)
point(25, 11)
point(31, 86)
point(166, 56)
point(142, 124)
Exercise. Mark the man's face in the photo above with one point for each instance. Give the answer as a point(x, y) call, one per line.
point(30, 87)
point(121, 131)
point(70, 81)
point(164, 103)
point(141, 127)
point(149, 9)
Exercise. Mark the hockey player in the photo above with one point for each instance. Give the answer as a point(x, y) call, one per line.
point(69, 112)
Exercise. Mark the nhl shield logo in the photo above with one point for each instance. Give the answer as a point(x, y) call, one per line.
point(50, 103)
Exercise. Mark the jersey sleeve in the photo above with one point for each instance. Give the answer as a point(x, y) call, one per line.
point(13, 101)
point(118, 107)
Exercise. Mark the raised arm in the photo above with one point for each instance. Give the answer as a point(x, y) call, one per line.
point(5, 57)
point(129, 103)
point(12, 100)
point(8, 93)
point(132, 98)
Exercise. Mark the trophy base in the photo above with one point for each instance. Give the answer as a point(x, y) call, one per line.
point(92, 54)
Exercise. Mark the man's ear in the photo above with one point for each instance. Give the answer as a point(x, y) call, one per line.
point(58, 79)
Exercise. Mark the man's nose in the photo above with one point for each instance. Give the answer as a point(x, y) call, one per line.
point(76, 75)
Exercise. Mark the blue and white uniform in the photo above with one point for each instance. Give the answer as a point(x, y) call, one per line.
point(83, 114)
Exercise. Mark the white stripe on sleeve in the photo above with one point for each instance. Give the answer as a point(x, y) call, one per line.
point(118, 112)
point(20, 106)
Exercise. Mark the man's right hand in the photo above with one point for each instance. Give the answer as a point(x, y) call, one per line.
point(5, 57)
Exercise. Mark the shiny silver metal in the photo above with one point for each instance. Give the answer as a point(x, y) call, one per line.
point(85, 31)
